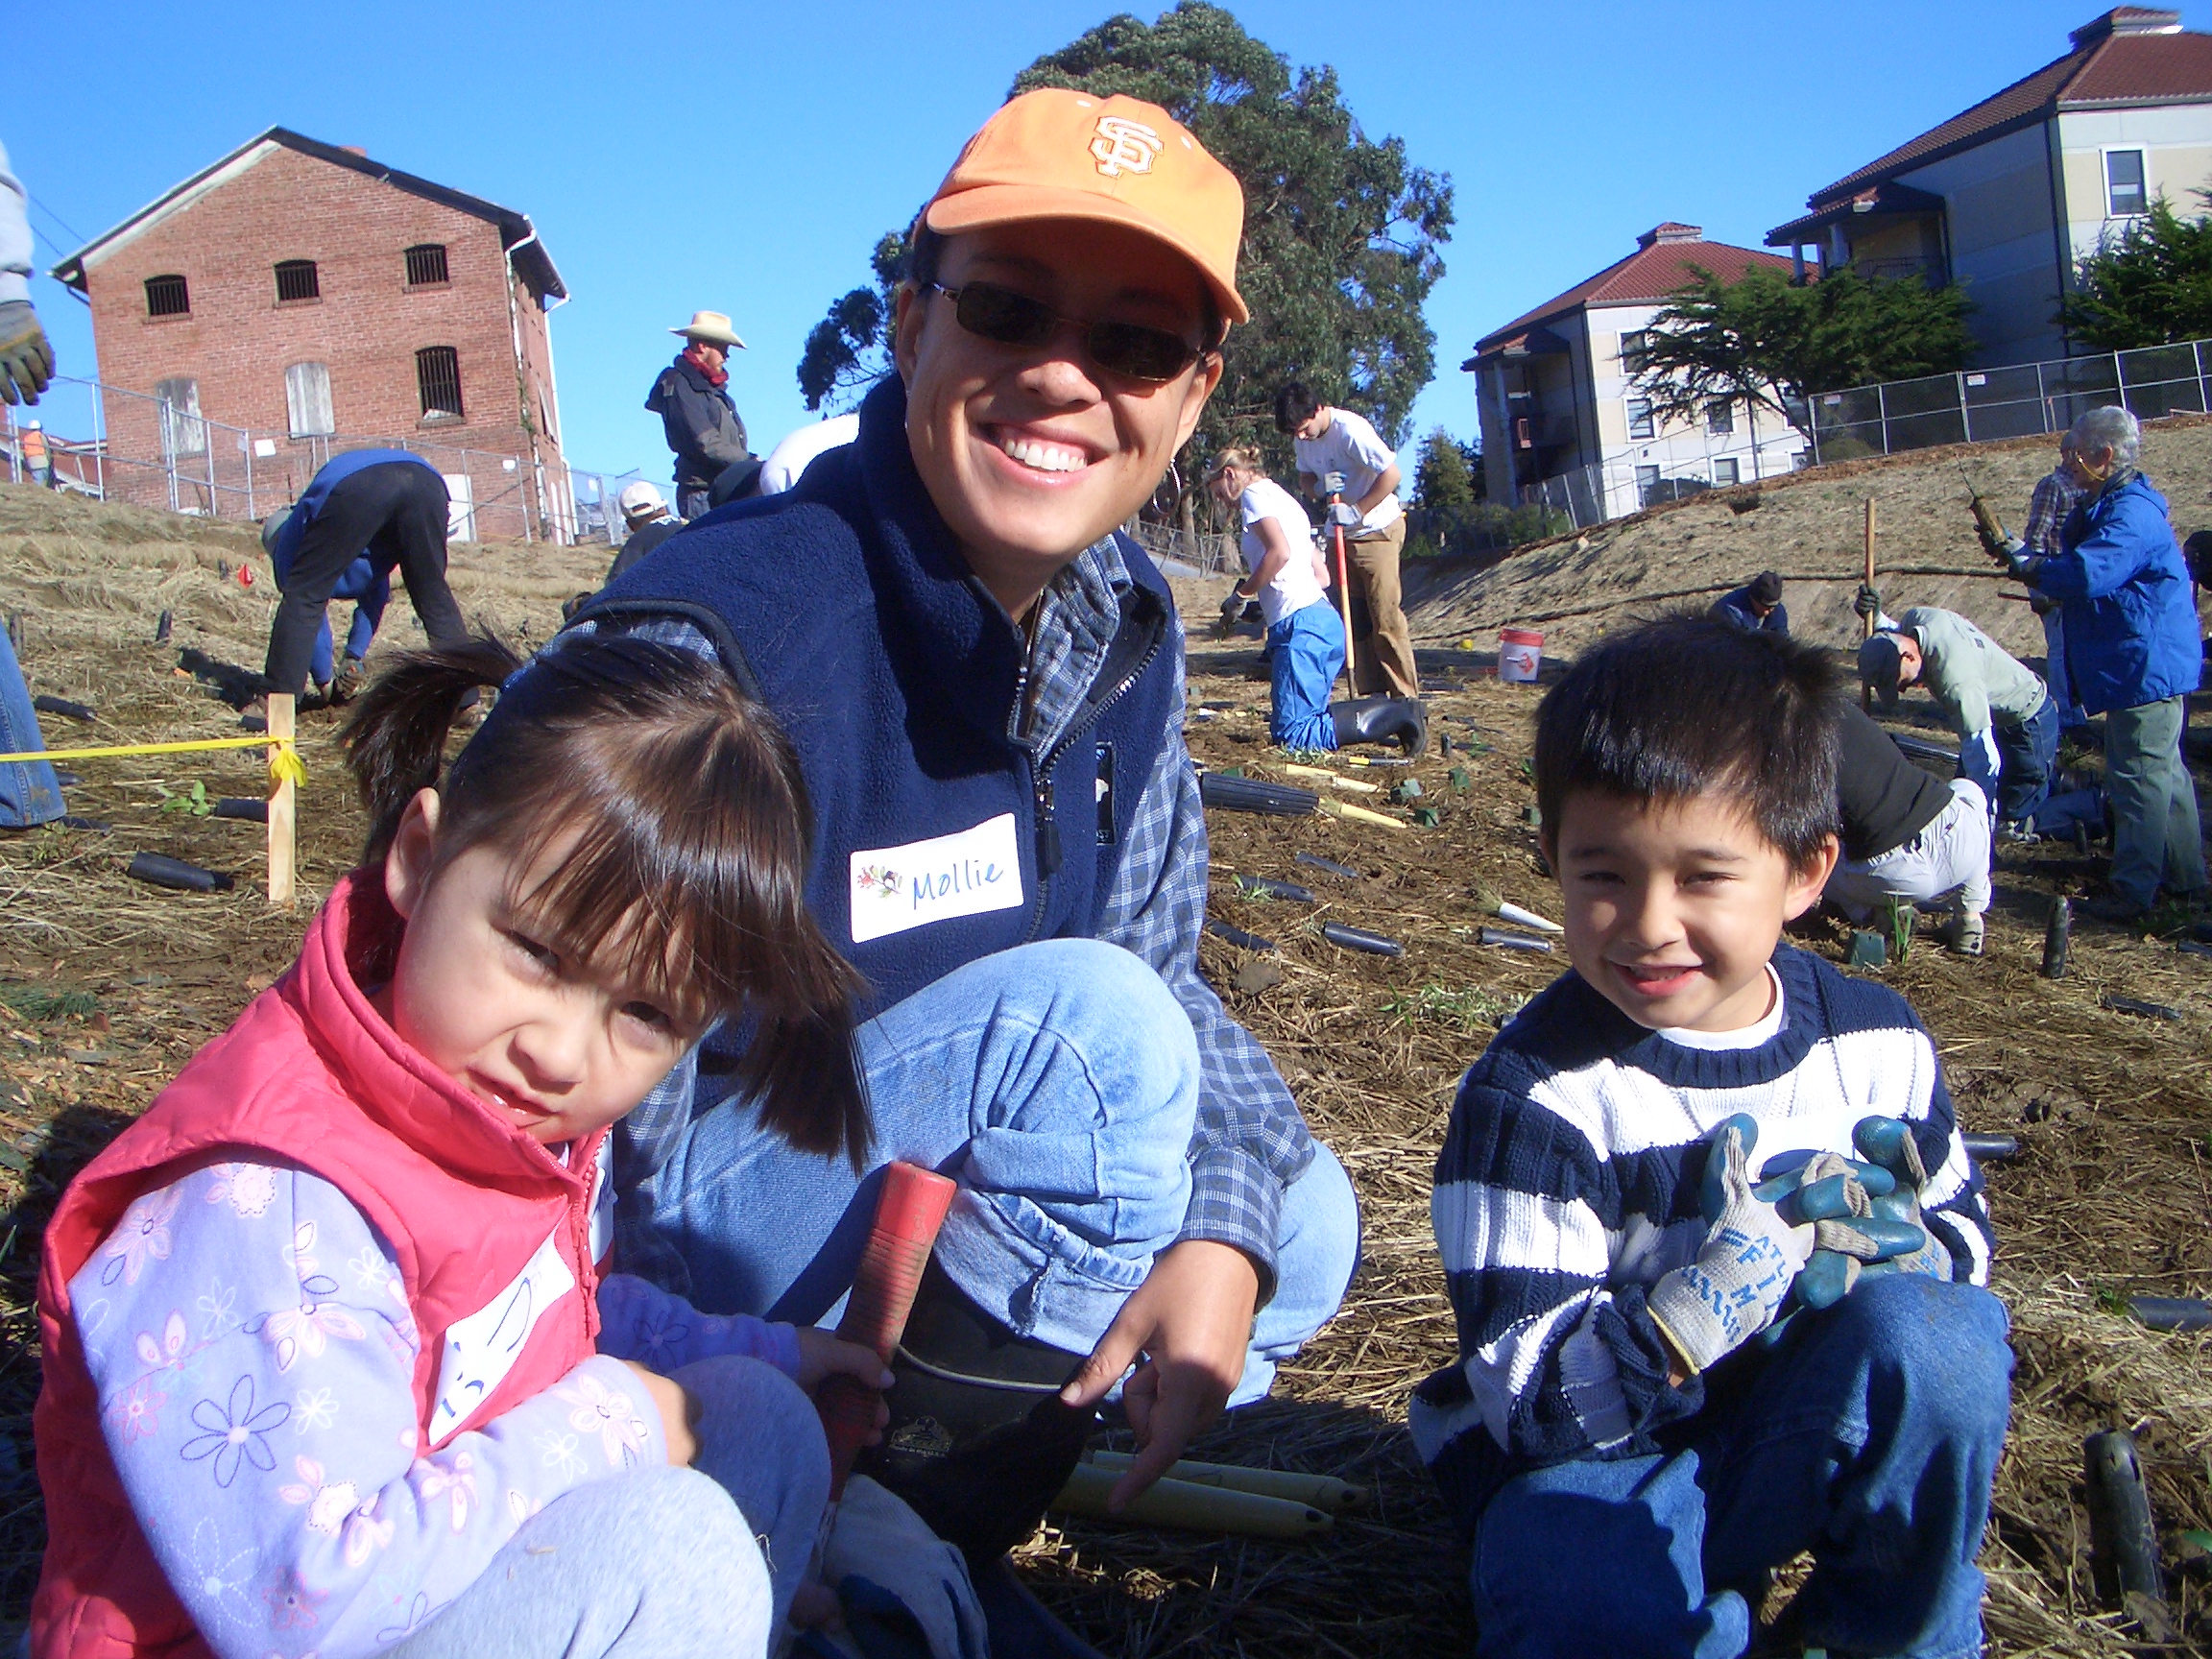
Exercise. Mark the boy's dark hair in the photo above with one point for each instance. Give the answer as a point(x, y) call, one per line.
point(687, 868)
point(1686, 706)
point(1294, 405)
point(925, 251)
point(1766, 589)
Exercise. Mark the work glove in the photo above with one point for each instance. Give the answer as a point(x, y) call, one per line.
point(26, 359)
point(1742, 1273)
point(1867, 602)
point(1888, 1144)
point(1344, 513)
point(1332, 484)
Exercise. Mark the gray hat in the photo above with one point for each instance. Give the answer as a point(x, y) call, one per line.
point(1880, 664)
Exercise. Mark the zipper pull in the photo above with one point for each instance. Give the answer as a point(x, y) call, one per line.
point(1047, 831)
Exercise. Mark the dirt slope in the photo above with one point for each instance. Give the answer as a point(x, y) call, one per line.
point(1809, 527)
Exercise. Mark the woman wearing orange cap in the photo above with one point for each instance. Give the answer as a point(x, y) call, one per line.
point(984, 683)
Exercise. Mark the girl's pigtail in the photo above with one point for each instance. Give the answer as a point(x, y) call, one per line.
point(395, 739)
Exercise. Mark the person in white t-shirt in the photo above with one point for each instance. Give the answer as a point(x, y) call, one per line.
point(788, 461)
point(1305, 636)
point(1337, 440)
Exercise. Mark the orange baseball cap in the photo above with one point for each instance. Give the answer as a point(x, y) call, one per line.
point(1056, 153)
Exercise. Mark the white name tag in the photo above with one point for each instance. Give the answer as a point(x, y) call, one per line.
point(969, 874)
point(481, 1349)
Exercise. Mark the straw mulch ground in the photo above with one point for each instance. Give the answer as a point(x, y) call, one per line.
point(107, 986)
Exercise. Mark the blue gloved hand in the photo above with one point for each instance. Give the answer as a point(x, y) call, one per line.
point(1857, 1218)
point(1890, 1143)
point(1742, 1273)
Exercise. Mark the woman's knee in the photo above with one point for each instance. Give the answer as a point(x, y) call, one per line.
point(758, 1428)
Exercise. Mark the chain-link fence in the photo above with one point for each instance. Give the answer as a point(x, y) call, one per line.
point(2023, 400)
point(116, 445)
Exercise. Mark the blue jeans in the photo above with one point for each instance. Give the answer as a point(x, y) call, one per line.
point(1308, 654)
point(1869, 1434)
point(1059, 1083)
point(370, 600)
point(2027, 753)
point(2071, 714)
point(2157, 837)
point(28, 794)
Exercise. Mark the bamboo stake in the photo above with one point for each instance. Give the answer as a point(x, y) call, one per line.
point(1867, 692)
point(284, 807)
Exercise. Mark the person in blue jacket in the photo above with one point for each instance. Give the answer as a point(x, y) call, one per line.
point(1756, 607)
point(2131, 656)
point(386, 506)
point(367, 583)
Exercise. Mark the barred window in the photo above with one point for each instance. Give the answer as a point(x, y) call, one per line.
point(296, 279)
point(1639, 422)
point(426, 265)
point(438, 375)
point(167, 297)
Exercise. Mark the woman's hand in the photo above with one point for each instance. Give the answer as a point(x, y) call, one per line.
point(678, 1412)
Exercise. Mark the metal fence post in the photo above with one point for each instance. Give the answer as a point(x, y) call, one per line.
point(2042, 399)
point(2196, 352)
point(1881, 409)
point(246, 449)
point(2120, 380)
point(1965, 421)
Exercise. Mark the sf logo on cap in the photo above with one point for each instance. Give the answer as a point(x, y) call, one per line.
point(1124, 145)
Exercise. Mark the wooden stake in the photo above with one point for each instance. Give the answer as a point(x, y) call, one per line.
point(284, 807)
point(1869, 557)
point(1867, 692)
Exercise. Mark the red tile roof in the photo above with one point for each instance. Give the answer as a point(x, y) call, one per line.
point(2107, 66)
point(1654, 273)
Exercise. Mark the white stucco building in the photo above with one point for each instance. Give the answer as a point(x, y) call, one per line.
point(2006, 197)
point(1562, 420)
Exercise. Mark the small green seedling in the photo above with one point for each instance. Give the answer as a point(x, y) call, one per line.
point(194, 801)
point(1462, 781)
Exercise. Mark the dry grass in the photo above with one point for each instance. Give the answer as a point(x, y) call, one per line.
point(2110, 1195)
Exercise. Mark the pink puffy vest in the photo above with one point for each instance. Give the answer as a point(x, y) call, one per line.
point(312, 1075)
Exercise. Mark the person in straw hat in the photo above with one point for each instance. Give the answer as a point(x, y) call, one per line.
point(696, 411)
point(984, 683)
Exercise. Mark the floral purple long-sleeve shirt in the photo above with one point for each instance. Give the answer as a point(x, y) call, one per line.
point(248, 1335)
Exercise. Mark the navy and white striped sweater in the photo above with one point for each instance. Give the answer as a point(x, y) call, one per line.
point(1569, 1182)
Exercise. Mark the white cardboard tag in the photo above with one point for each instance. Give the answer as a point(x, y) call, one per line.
point(481, 1349)
point(967, 874)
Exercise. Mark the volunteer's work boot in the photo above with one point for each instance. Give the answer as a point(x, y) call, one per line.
point(254, 716)
point(351, 677)
point(978, 1441)
point(1963, 933)
point(1400, 720)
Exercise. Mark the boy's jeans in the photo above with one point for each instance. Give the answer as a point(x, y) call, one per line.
point(1868, 1436)
point(1308, 654)
point(1058, 1082)
point(28, 794)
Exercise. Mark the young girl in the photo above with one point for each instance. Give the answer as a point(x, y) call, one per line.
point(328, 1368)
point(1304, 634)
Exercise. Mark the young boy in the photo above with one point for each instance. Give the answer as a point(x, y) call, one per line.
point(1643, 1422)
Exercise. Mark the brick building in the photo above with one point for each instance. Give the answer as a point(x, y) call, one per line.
point(315, 301)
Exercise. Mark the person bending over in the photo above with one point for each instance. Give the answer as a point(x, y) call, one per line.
point(1712, 1241)
point(1908, 836)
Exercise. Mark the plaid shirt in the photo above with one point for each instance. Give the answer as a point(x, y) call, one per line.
point(2056, 495)
point(1249, 1143)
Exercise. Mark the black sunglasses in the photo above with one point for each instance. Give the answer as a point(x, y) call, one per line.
point(1130, 349)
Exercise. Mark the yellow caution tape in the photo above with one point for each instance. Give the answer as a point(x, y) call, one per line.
point(284, 763)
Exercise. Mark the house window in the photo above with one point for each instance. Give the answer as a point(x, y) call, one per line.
point(167, 297)
point(307, 399)
point(1635, 351)
point(2124, 183)
point(1726, 473)
point(1640, 423)
point(438, 377)
point(426, 265)
point(1720, 416)
point(1647, 485)
point(296, 279)
point(182, 431)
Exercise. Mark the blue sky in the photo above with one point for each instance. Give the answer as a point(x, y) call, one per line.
point(745, 158)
